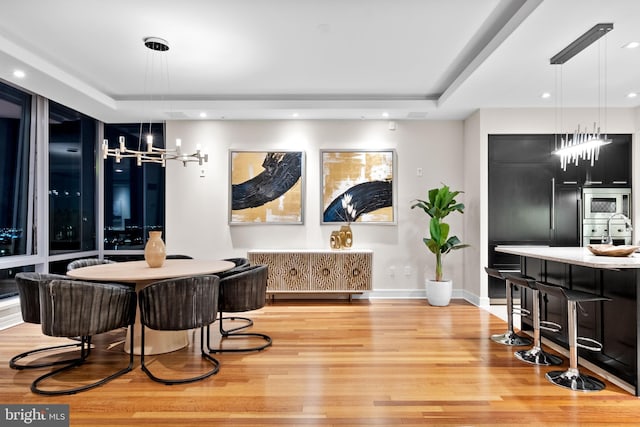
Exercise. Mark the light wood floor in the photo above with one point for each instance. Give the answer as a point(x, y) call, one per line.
point(389, 363)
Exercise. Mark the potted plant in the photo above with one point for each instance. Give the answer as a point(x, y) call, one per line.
point(441, 202)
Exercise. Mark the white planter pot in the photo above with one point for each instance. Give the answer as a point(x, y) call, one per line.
point(438, 293)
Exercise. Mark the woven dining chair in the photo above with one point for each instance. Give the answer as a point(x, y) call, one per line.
point(86, 262)
point(74, 308)
point(241, 292)
point(29, 296)
point(176, 305)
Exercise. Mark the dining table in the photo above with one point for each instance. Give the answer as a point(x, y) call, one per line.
point(139, 273)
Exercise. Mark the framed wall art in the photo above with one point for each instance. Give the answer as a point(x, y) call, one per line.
point(266, 187)
point(365, 179)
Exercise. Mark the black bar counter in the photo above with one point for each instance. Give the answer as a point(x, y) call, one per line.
point(614, 323)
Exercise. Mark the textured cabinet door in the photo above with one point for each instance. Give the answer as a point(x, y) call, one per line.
point(316, 271)
point(357, 271)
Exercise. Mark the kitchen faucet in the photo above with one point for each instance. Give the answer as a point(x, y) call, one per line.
point(627, 223)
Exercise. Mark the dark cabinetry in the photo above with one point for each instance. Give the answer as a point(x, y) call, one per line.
point(532, 201)
point(613, 168)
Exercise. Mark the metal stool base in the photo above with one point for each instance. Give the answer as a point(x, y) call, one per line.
point(510, 338)
point(537, 356)
point(574, 380)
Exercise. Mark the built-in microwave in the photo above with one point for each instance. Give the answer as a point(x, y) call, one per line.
point(601, 203)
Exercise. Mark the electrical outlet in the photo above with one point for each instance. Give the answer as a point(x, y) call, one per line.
point(407, 270)
point(419, 172)
point(392, 271)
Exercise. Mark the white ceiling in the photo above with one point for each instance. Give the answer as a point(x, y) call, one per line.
point(319, 59)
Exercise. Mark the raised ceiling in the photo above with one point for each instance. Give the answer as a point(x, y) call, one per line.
point(319, 59)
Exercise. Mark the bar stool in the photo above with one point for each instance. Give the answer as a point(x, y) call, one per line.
point(572, 378)
point(535, 355)
point(509, 337)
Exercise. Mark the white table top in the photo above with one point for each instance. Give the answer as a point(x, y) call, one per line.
point(139, 271)
point(573, 255)
point(310, 251)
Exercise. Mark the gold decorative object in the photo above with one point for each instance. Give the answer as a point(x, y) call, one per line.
point(155, 251)
point(335, 240)
point(346, 236)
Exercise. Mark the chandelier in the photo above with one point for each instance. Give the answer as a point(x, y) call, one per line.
point(146, 152)
point(582, 145)
point(153, 154)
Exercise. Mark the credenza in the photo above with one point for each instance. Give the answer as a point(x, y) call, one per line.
point(316, 271)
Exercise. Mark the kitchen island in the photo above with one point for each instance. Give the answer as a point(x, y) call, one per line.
point(613, 323)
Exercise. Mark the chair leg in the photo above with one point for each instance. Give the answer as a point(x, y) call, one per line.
point(14, 362)
point(85, 343)
point(248, 324)
point(510, 337)
point(169, 381)
point(229, 333)
point(572, 378)
point(535, 355)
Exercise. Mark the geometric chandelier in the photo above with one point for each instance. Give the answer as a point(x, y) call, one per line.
point(152, 154)
point(146, 152)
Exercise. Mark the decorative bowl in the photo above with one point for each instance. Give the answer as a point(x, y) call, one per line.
point(611, 250)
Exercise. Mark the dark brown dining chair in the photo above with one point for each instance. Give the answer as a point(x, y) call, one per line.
point(244, 291)
point(178, 256)
point(178, 305)
point(29, 296)
point(74, 308)
point(241, 264)
point(86, 262)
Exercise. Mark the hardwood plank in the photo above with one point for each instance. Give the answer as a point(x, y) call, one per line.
point(333, 363)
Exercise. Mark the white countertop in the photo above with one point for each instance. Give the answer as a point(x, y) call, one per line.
point(572, 255)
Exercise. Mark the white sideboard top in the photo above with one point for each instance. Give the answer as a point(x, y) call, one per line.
point(313, 251)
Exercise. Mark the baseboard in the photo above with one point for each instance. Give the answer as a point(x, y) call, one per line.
point(10, 314)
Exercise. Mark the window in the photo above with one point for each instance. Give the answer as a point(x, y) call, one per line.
point(72, 180)
point(133, 195)
point(15, 123)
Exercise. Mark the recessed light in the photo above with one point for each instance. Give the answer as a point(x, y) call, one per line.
point(545, 95)
point(19, 74)
point(632, 95)
point(385, 114)
point(631, 45)
point(203, 115)
point(294, 115)
point(118, 171)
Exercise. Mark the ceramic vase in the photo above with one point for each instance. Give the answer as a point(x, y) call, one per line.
point(155, 251)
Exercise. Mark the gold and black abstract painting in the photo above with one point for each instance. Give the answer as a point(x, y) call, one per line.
point(266, 187)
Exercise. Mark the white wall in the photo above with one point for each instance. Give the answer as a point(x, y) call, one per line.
point(474, 184)
point(197, 208)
